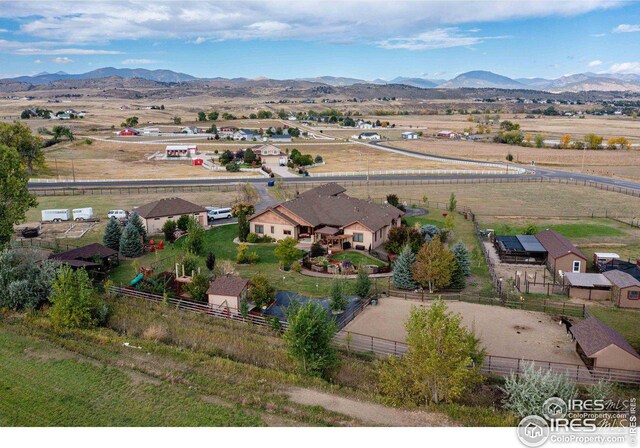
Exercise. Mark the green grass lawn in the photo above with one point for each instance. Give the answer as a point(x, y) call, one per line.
point(570, 230)
point(624, 321)
point(39, 386)
point(219, 240)
point(357, 258)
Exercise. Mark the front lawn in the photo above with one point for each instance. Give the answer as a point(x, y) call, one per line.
point(357, 258)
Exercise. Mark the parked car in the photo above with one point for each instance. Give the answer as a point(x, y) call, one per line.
point(118, 214)
point(55, 215)
point(83, 214)
point(218, 213)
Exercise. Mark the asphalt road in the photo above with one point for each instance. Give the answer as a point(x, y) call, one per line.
point(536, 172)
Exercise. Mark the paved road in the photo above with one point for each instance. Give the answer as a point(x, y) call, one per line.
point(539, 172)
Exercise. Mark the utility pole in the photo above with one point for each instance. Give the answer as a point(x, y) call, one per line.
point(584, 151)
point(73, 171)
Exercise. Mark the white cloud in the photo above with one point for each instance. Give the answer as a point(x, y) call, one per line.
point(69, 51)
point(139, 61)
point(37, 61)
point(595, 63)
point(199, 40)
point(625, 67)
point(330, 20)
point(4, 30)
point(599, 35)
point(627, 28)
point(63, 60)
point(437, 38)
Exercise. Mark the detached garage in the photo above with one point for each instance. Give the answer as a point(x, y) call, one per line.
point(562, 256)
point(600, 346)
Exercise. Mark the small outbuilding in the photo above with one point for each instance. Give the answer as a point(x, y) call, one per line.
point(625, 289)
point(600, 346)
point(587, 286)
point(94, 257)
point(227, 292)
point(520, 249)
point(563, 256)
point(409, 135)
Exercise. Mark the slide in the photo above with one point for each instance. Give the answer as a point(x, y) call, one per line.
point(136, 280)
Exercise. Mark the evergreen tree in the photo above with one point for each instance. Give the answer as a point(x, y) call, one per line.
point(458, 280)
point(136, 221)
point(131, 242)
point(362, 286)
point(211, 261)
point(463, 259)
point(338, 299)
point(112, 234)
point(402, 275)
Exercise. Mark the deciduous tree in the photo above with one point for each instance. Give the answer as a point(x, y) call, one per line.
point(434, 265)
point(442, 362)
point(18, 136)
point(15, 198)
point(309, 337)
point(287, 252)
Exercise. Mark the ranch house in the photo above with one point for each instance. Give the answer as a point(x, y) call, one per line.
point(326, 214)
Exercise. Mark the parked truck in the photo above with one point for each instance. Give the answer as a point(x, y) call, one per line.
point(56, 215)
point(83, 214)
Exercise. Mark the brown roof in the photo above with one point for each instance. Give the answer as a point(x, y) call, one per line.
point(593, 336)
point(168, 207)
point(621, 279)
point(328, 205)
point(587, 280)
point(227, 286)
point(557, 245)
point(85, 253)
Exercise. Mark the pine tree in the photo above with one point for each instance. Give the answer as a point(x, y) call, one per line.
point(135, 219)
point(458, 280)
point(131, 242)
point(463, 258)
point(402, 275)
point(112, 234)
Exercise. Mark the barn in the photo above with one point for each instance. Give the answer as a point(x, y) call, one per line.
point(128, 132)
point(600, 346)
point(563, 256)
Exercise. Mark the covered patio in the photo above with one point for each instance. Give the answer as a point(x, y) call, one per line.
point(332, 238)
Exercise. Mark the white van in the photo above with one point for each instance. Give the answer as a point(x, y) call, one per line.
point(56, 215)
point(82, 214)
point(118, 214)
point(219, 213)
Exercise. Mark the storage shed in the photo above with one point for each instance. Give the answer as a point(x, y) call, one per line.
point(227, 292)
point(587, 286)
point(625, 289)
point(600, 346)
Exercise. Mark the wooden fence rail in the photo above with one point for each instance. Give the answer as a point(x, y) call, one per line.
point(492, 365)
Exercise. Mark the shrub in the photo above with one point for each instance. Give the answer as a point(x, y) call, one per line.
point(74, 303)
point(245, 256)
point(429, 231)
point(362, 285)
point(316, 250)
point(253, 238)
point(183, 222)
point(262, 292)
point(296, 266)
point(195, 237)
point(169, 230)
point(525, 393)
point(210, 261)
point(232, 167)
point(24, 282)
point(338, 299)
point(287, 252)
point(600, 390)
point(190, 263)
point(157, 332)
point(198, 287)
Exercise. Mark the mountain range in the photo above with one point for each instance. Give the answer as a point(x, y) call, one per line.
point(474, 79)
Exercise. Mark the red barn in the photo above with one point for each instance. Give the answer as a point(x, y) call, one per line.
point(128, 132)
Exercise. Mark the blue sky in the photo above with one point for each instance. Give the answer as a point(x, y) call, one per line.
point(285, 39)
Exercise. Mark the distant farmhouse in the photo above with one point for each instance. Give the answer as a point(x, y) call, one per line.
point(328, 215)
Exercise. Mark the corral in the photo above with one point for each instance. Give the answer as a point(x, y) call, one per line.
point(502, 331)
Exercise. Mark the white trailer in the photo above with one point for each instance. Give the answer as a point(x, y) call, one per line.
point(56, 215)
point(83, 214)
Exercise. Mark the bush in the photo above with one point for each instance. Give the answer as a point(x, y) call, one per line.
point(24, 282)
point(262, 292)
point(183, 222)
point(525, 393)
point(198, 287)
point(169, 229)
point(338, 299)
point(287, 252)
point(190, 263)
point(296, 266)
point(316, 250)
point(245, 256)
point(232, 167)
point(195, 237)
point(157, 332)
point(74, 303)
point(252, 238)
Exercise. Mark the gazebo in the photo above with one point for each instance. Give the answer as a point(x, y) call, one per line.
point(331, 237)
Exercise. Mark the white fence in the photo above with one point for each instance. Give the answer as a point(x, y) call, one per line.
point(512, 170)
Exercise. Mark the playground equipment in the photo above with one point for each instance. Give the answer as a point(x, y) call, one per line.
point(136, 280)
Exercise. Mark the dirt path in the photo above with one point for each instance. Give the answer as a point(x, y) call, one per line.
point(368, 413)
